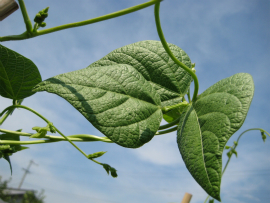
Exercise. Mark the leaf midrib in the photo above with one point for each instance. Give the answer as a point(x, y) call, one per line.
point(155, 95)
point(130, 97)
point(202, 147)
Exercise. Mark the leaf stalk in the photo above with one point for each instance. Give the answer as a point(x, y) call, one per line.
point(169, 52)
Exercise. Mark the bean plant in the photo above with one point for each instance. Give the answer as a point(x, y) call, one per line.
point(126, 94)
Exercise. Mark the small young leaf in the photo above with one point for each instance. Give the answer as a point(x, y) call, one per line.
point(6, 157)
point(234, 152)
point(229, 154)
point(113, 172)
point(95, 155)
point(152, 61)
point(263, 136)
point(227, 147)
point(12, 148)
point(107, 168)
point(18, 75)
point(41, 131)
point(173, 114)
point(117, 100)
point(207, 124)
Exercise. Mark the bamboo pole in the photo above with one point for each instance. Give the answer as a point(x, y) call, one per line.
point(7, 7)
point(187, 198)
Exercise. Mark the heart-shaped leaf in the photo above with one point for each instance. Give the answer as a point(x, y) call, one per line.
point(151, 60)
point(206, 125)
point(18, 75)
point(117, 100)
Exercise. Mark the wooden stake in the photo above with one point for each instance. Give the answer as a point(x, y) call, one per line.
point(187, 198)
point(7, 7)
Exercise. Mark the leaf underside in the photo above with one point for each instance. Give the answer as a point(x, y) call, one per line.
point(151, 60)
point(116, 99)
point(206, 126)
point(18, 75)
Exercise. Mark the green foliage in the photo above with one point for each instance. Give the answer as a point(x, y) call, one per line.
point(206, 125)
point(29, 196)
point(96, 155)
point(116, 99)
point(8, 150)
point(263, 136)
point(18, 75)
point(42, 131)
point(149, 58)
point(109, 169)
point(126, 94)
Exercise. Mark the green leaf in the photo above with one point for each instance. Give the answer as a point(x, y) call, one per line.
point(95, 155)
point(7, 136)
point(113, 172)
point(173, 114)
point(41, 131)
point(8, 150)
point(13, 148)
point(6, 157)
point(117, 100)
point(263, 136)
point(109, 169)
point(151, 60)
point(18, 75)
point(206, 125)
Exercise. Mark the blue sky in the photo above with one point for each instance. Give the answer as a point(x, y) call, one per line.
point(222, 37)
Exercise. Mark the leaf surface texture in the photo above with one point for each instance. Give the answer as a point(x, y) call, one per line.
point(151, 60)
point(206, 125)
point(116, 99)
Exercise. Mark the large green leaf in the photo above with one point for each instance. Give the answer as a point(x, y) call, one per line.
point(18, 75)
point(206, 125)
point(117, 100)
point(152, 61)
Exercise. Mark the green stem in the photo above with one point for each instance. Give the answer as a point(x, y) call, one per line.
point(174, 122)
point(11, 142)
point(206, 199)
point(27, 108)
point(234, 147)
point(167, 131)
point(166, 47)
point(168, 108)
point(2, 120)
point(71, 142)
point(188, 94)
point(77, 24)
point(96, 161)
point(77, 138)
point(47, 121)
point(26, 18)
point(9, 112)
